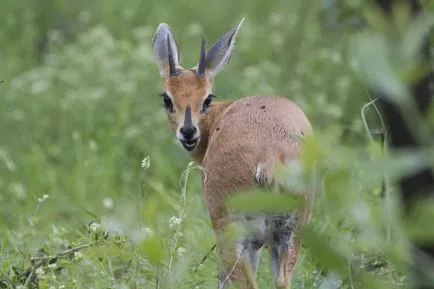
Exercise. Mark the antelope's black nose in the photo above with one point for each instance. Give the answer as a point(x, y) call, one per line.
point(188, 132)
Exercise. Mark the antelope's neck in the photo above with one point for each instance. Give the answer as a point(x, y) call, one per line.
point(210, 124)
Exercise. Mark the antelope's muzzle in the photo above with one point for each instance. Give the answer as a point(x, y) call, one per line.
point(188, 134)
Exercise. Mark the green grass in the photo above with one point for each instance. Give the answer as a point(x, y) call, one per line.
point(76, 125)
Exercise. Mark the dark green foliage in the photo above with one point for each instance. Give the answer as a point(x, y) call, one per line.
point(96, 193)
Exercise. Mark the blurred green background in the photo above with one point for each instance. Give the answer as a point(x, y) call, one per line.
point(80, 110)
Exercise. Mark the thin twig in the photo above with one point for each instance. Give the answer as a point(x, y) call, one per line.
point(183, 184)
point(365, 123)
point(42, 259)
point(384, 188)
point(157, 279)
point(233, 268)
point(31, 276)
point(36, 265)
point(39, 261)
point(350, 275)
point(204, 258)
point(136, 271)
point(66, 252)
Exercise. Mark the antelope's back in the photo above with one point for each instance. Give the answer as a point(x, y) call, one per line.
point(253, 131)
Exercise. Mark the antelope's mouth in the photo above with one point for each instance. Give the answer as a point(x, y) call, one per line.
point(189, 145)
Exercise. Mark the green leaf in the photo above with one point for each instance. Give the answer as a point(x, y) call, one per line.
point(257, 200)
point(418, 223)
point(150, 210)
point(330, 257)
point(401, 15)
point(311, 153)
point(336, 181)
point(327, 256)
point(152, 249)
point(395, 165)
point(414, 37)
point(374, 52)
point(375, 18)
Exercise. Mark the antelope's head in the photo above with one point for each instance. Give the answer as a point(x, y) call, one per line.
point(187, 95)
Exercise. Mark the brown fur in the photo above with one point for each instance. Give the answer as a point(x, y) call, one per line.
point(252, 131)
point(237, 138)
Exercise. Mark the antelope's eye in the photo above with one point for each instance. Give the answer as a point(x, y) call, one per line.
point(168, 104)
point(207, 102)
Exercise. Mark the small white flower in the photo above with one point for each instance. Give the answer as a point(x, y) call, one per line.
point(174, 222)
point(44, 198)
point(146, 162)
point(108, 203)
point(181, 251)
point(61, 286)
point(95, 227)
point(52, 266)
point(78, 255)
point(40, 271)
point(178, 235)
point(147, 231)
point(139, 235)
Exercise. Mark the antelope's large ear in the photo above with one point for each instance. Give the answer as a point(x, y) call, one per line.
point(165, 50)
point(220, 53)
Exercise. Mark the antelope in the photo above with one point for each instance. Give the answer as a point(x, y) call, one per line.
point(238, 144)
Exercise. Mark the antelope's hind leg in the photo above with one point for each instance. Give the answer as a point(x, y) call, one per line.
point(254, 248)
point(284, 247)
